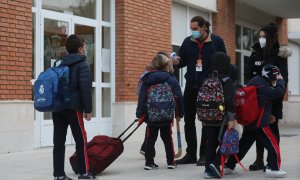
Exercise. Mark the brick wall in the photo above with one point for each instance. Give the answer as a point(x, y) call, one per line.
point(282, 38)
point(142, 29)
point(15, 49)
point(282, 30)
point(224, 25)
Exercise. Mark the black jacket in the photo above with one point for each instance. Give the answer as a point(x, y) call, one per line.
point(189, 53)
point(266, 93)
point(157, 77)
point(278, 58)
point(80, 82)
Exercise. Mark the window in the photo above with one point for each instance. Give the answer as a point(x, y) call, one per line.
point(245, 38)
point(83, 8)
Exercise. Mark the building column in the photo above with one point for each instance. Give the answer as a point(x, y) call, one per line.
point(224, 25)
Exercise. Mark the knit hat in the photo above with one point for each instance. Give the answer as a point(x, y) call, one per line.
point(270, 71)
point(270, 29)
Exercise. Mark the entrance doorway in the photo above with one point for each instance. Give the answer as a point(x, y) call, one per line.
point(55, 28)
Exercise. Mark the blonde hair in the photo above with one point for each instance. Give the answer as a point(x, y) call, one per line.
point(161, 62)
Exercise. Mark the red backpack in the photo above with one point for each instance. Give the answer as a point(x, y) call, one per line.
point(247, 107)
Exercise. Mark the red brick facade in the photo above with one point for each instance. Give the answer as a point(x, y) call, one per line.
point(224, 25)
point(282, 30)
point(15, 50)
point(142, 29)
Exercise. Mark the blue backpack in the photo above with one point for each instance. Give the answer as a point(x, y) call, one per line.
point(51, 89)
point(160, 103)
point(230, 146)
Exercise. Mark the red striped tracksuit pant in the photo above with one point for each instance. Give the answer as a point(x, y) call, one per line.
point(61, 121)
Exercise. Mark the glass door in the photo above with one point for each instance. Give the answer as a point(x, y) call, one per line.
point(56, 27)
point(55, 30)
point(86, 28)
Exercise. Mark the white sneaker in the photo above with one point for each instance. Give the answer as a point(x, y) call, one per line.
point(275, 174)
point(228, 171)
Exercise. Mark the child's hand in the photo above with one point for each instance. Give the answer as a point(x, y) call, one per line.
point(231, 124)
point(279, 76)
point(88, 116)
point(272, 119)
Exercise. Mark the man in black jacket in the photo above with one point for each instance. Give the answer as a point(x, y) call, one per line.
point(195, 53)
point(81, 101)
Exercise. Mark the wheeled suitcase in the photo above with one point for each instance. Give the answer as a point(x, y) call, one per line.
point(103, 150)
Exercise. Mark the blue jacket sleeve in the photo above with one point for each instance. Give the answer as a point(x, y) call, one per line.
point(85, 87)
point(182, 55)
point(141, 107)
point(222, 46)
point(271, 93)
point(178, 95)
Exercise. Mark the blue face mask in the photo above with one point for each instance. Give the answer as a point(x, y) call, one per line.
point(196, 34)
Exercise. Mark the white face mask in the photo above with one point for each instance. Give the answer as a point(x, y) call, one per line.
point(262, 42)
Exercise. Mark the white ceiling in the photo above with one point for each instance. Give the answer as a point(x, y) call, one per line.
point(278, 8)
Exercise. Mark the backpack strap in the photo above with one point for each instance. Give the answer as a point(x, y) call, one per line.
point(237, 159)
point(262, 110)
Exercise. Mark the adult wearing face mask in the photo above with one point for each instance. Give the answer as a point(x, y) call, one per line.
point(195, 53)
point(268, 51)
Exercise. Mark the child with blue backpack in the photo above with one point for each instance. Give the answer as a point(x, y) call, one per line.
point(80, 85)
point(159, 93)
point(218, 113)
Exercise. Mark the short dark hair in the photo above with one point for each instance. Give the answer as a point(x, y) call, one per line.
point(201, 22)
point(73, 43)
point(221, 63)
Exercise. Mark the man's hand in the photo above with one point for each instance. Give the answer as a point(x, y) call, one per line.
point(231, 124)
point(88, 116)
point(176, 60)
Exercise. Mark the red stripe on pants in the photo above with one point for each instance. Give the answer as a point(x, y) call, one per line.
point(275, 145)
point(81, 124)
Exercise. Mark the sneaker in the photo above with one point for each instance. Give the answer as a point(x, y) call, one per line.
point(257, 165)
point(275, 174)
point(201, 161)
point(187, 159)
point(267, 168)
point(62, 178)
point(208, 175)
point(151, 166)
point(87, 176)
point(215, 171)
point(228, 171)
point(172, 166)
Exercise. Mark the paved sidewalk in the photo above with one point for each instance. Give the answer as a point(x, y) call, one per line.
point(37, 164)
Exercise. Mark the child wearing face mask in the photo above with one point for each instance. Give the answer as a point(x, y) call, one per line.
point(159, 77)
point(268, 51)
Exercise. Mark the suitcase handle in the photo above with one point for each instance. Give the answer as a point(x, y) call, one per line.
point(140, 121)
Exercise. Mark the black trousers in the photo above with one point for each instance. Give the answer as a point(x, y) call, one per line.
point(212, 152)
point(61, 121)
point(268, 138)
point(166, 136)
point(190, 96)
point(274, 127)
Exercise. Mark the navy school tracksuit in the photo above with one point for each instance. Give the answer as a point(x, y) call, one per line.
point(164, 127)
point(261, 129)
point(61, 120)
point(81, 101)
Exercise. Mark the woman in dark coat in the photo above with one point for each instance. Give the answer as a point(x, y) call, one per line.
point(268, 51)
